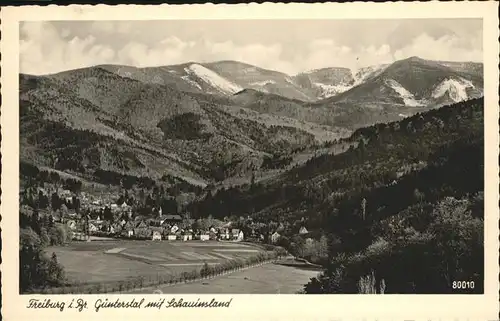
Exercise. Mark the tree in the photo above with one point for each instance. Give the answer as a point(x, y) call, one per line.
point(363, 208)
point(44, 237)
point(55, 272)
point(107, 214)
point(297, 246)
point(142, 197)
point(55, 202)
point(55, 179)
point(419, 196)
point(35, 269)
point(458, 239)
point(76, 204)
point(205, 270)
point(35, 221)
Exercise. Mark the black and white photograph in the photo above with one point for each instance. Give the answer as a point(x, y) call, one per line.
point(251, 156)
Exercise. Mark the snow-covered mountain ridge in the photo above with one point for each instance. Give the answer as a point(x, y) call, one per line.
point(438, 81)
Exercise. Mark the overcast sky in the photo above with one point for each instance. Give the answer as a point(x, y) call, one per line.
point(290, 46)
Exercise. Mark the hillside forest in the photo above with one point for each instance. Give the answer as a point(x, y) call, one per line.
point(400, 211)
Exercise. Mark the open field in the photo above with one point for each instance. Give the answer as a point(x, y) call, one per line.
point(265, 279)
point(107, 261)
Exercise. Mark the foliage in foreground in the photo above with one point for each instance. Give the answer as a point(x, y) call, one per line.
point(449, 249)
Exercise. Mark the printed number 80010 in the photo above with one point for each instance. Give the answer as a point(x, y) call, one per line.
point(463, 285)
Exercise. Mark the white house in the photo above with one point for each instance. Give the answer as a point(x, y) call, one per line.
point(172, 237)
point(187, 237)
point(92, 228)
point(71, 224)
point(66, 192)
point(224, 234)
point(156, 236)
point(237, 234)
point(204, 237)
point(275, 237)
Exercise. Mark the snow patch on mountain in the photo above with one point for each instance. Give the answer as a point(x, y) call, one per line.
point(408, 98)
point(191, 82)
point(331, 90)
point(263, 83)
point(362, 74)
point(456, 89)
point(214, 79)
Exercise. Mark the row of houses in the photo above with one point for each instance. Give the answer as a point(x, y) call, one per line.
point(173, 233)
point(276, 236)
point(164, 227)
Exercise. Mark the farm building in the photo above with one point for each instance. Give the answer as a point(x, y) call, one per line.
point(156, 236)
point(237, 234)
point(71, 224)
point(128, 229)
point(115, 228)
point(92, 228)
point(79, 236)
point(275, 237)
point(172, 219)
point(174, 229)
point(142, 230)
point(224, 234)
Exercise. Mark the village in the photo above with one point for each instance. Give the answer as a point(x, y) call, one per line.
point(89, 217)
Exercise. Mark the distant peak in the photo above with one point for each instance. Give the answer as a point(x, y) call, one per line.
point(415, 58)
point(246, 91)
point(307, 72)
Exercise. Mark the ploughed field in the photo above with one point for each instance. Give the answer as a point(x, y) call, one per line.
point(108, 261)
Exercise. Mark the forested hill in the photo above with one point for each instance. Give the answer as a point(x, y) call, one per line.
point(411, 185)
point(383, 154)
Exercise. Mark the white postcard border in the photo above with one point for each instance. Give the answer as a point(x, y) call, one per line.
point(268, 307)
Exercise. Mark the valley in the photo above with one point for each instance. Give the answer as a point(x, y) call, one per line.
point(348, 169)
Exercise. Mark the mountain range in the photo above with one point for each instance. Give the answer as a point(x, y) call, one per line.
point(208, 123)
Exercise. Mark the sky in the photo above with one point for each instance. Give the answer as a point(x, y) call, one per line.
point(289, 46)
